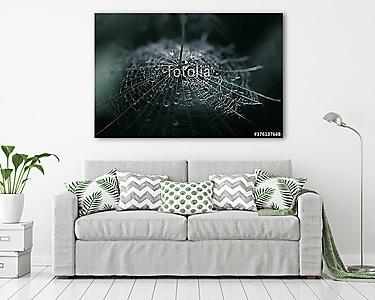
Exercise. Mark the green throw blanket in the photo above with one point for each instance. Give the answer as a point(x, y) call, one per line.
point(335, 268)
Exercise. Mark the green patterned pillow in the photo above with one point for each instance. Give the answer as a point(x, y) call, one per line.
point(276, 192)
point(186, 198)
point(96, 195)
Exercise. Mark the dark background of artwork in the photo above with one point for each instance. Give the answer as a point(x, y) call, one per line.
point(257, 35)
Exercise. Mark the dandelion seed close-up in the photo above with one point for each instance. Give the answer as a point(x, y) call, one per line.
point(188, 75)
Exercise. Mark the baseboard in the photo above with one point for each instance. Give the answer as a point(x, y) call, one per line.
point(350, 259)
point(41, 260)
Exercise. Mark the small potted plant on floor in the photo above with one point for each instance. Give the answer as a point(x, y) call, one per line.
point(14, 173)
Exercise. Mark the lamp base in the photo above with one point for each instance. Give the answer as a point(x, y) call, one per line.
point(361, 269)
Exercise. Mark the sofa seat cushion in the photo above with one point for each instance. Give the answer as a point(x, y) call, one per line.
point(131, 225)
point(242, 225)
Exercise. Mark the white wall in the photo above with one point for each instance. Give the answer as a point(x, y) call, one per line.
point(47, 101)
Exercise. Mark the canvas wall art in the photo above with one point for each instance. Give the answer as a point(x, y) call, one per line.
point(188, 75)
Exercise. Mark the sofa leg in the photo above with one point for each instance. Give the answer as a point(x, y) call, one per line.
point(312, 277)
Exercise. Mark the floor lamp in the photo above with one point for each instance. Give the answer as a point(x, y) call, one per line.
point(336, 119)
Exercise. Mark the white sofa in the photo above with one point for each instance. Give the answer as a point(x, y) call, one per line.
point(223, 243)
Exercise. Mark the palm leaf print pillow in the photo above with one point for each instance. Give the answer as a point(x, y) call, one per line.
point(96, 195)
point(276, 192)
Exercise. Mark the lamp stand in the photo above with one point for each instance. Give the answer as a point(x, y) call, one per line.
point(361, 267)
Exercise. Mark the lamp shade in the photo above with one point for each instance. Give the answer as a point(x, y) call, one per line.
point(334, 118)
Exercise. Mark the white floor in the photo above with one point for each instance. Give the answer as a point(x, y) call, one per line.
point(40, 284)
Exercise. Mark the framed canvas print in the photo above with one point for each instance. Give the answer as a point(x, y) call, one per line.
point(188, 75)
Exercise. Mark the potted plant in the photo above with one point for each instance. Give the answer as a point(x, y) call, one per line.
point(14, 174)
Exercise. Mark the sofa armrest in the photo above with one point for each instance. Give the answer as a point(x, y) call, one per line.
point(309, 212)
point(65, 212)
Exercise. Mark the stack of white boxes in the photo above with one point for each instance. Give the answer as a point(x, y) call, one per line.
point(16, 241)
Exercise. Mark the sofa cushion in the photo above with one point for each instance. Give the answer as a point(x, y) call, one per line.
point(131, 225)
point(242, 225)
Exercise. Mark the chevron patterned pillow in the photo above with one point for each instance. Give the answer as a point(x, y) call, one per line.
point(234, 191)
point(139, 191)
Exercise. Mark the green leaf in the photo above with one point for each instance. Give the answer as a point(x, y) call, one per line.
point(33, 159)
point(7, 150)
point(47, 155)
point(71, 186)
point(262, 176)
point(39, 167)
point(109, 184)
point(263, 195)
point(6, 173)
point(289, 190)
point(108, 207)
point(78, 187)
point(17, 160)
point(112, 172)
point(91, 203)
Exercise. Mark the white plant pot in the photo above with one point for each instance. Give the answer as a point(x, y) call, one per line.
point(11, 207)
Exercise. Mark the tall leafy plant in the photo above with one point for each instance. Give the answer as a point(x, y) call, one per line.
point(14, 173)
